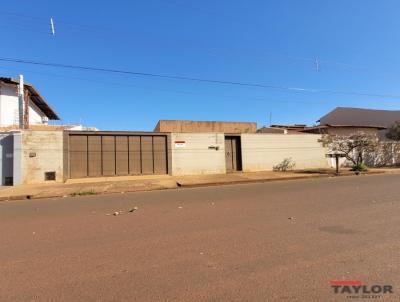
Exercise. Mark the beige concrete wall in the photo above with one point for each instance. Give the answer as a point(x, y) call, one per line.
point(260, 152)
point(42, 151)
point(205, 126)
point(198, 155)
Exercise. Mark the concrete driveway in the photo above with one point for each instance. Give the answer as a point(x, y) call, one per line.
point(280, 241)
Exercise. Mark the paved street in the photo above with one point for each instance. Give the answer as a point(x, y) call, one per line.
point(280, 241)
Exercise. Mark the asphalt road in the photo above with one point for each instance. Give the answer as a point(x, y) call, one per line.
point(280, 241)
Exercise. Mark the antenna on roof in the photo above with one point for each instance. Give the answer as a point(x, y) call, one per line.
point(317, 64)
point(52, 27)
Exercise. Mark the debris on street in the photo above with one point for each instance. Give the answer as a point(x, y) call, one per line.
point(121, 212)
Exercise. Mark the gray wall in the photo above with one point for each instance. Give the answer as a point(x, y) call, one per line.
point(6, 156)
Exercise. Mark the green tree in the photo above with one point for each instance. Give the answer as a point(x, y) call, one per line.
point(394, 132)
point(354, 147)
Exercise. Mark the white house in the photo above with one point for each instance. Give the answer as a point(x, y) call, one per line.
point(39, 112)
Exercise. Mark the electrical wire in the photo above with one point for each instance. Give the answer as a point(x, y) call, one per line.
point(194, 79)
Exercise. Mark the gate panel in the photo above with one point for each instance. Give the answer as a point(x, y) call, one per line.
point(234, 154)
point(94, 156)
point(78, 156)
point(108, 155)
point(147, 154)
point(121, 153)
point(135, 166)
point(160, 154)
point(228, 154)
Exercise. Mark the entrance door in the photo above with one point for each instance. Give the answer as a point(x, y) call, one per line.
point(233, 154)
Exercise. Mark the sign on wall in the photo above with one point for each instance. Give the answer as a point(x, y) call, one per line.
point(180, 144)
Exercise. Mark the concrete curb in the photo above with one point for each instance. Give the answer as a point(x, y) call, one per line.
point(195, 185)
point(15, 197)
point(246, 181)
point(33, 196)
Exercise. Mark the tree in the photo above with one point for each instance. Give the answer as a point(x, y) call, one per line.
point(354, 147)
point(394, 132)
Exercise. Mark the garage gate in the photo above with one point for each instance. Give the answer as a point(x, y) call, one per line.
point(92, 155)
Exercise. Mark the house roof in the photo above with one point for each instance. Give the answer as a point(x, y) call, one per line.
point(36, 98)
point(271, 130)
point(327, 126)
point(360, 117)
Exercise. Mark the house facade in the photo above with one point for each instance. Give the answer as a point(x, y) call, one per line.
point(38, 111)
point(38, 156)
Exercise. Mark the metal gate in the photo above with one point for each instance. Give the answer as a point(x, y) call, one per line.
point(233, 153)
point(102, 154)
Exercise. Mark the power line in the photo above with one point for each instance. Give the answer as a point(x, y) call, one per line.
point(194, 79)
point(152, 88)
point(174, 77)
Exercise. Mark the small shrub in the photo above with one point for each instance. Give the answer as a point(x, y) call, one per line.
point(285, 165)
point(359, 168)
point(83, 193)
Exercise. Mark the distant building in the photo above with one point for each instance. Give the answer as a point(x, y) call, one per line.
point(345, 121)
point(205, 126)
point(283, 129)
point(39, 111)
point(272, 130)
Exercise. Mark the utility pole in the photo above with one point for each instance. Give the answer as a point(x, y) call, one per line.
point(52, 27)
point(26, 109)
point(317, 65)
point(21, 102)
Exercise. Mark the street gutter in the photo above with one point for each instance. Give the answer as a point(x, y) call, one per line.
point(183, 185)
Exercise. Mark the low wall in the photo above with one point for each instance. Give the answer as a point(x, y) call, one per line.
point(197, 153)
point(42, 151)
point(261, 152)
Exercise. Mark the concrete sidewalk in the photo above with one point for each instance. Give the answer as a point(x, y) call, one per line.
point(103, 185)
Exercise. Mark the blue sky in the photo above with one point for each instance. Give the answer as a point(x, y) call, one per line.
point(265, 42)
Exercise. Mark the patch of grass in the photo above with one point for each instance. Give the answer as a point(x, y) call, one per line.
point(83, 193)
point(359, 168)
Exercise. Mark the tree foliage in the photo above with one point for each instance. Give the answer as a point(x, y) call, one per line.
point(394, 132)
point(354, 147)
